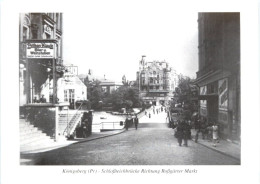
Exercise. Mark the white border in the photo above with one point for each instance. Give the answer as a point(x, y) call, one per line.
point(12, 172)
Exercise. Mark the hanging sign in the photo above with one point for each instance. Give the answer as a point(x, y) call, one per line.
point(40, 50)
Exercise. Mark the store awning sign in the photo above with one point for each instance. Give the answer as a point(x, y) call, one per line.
point(40, 50)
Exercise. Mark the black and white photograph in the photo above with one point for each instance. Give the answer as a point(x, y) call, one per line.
point(114, 89)
point(152, 115)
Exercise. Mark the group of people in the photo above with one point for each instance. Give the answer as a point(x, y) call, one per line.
point(155, 110)
point(182, 132)
point(131, 120)
point(41, 100)
point(208, 130)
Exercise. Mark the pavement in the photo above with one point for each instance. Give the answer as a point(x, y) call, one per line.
point(63, 143)
point(225, 147)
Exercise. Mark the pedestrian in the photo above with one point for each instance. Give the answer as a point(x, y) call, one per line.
point(149, 115)
point(197, 128)
point(43, 99)
point(186, 132)
point(145, 112)
point(210, 131)
point(179, 133)
point(215, 134)
point(136, 121)
point(84, 129)
point(203, 127)
point(35, 100)
point(127, 122)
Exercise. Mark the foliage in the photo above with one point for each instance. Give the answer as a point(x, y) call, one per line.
point(184, 95)
point(124, 97)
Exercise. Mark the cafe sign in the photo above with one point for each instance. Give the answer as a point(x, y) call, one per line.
point(40, 50)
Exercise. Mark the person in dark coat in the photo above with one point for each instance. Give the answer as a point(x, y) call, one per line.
point(136, 121)
point(128, 122)
point(186, 132)
point(179, 133)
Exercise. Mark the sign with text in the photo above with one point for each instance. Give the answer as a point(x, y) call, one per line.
point(203, 91)
point(223, 93)
point(40, 50)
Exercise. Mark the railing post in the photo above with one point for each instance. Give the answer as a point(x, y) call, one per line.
point(56, 124)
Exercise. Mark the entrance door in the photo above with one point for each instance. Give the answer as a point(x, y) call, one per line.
point(72, 98)
point(213, 109)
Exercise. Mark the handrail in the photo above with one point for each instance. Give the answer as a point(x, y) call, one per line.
point(110, 123)
point(70, 124)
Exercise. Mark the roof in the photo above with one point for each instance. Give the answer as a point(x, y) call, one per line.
point(107, 82)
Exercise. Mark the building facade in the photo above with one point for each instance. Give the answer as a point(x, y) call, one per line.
point(41, 57)
point(218, 77)
point(107, 86)
point(156, 82)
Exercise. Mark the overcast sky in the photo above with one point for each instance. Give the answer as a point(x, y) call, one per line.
point(111, 37)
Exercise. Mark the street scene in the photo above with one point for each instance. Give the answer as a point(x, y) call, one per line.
point(153, 111)
point(153, 143)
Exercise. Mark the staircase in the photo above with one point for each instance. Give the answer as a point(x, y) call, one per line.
point(31, 138)
point(68, 122)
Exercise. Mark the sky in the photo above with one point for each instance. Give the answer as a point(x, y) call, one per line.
point(110, 38)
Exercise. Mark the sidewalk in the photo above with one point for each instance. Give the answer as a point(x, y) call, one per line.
point(224, 147)
point(63, 143)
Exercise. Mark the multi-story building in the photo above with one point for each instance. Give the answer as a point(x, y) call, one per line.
point(40, 62)
point(219, 71)
point(156, 82)
point(40, 42)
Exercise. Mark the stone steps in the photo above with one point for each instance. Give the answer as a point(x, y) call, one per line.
point(30, 136)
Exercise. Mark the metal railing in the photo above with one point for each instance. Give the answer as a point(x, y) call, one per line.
point(72, 124)
point(103, 124)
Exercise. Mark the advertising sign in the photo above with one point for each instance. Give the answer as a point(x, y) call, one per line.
point(223, 93)
point(40, 50)
point(203, 91)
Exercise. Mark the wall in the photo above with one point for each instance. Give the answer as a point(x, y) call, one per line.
point(42, 117)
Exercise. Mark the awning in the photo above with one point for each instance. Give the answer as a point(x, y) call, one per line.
point(208, 96)
point(211, 76)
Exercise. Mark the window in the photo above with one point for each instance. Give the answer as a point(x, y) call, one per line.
point(151, 80)
point(104, 89)
point(65, 95)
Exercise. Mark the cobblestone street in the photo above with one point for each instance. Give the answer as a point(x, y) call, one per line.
point(151, 144)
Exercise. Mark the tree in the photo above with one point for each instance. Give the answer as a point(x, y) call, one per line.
point(94, 94)
point(186, 93)
point(125, 97)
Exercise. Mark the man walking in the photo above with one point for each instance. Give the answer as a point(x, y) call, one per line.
point(136, 121)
